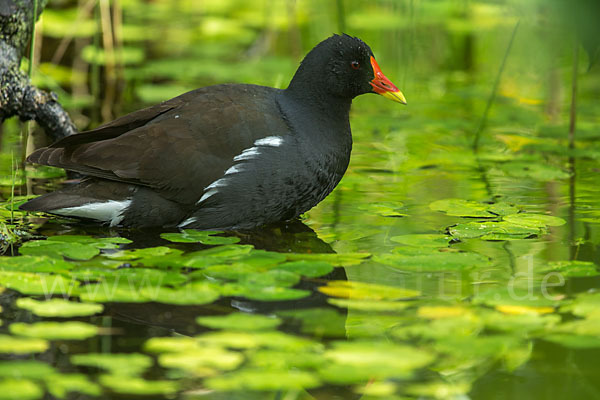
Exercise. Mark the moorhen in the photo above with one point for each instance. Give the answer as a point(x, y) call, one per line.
point(231, 156)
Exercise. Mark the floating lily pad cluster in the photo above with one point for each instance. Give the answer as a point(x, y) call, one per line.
point(497, 221)
point(72, 266)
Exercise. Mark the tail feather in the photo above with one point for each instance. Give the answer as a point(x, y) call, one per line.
point(91, 199)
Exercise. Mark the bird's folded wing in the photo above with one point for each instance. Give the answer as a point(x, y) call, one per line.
point(177, 148)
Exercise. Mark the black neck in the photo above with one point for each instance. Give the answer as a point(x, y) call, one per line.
point(309, 91)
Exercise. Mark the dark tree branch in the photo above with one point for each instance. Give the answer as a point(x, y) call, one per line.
point(17, 95)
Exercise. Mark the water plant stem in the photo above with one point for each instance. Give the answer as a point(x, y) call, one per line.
point(494, 90)
point(573, 111)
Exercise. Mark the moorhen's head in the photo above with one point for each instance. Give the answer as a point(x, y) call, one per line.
point(343, 66)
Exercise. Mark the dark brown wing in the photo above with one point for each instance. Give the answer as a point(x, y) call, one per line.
point(177, 147)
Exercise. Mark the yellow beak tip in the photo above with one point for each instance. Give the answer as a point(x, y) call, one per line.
point(398, 97)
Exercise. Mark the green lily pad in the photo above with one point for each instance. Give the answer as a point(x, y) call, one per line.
point(466, 349)
point(35, 264)
point(318, 322)
point(537, 171)
point(72, 250)
point(124, 365)
point(240, 321)
point(263, 293)
point(369, 305)
point(28, 369)
point(71, 246)
point(569, 269)
point(21, 345)
point(534, 220)
point(70, 330)
point(202, 361)
point(60, 385)
point(260, 379)
point(582, 327)
point(285, 360)
point(101, 243)
point(384, 209)
point(516, 297)
point(260, 258)
point(423, 240)
point(257, 339)
point(228, 272)
point(38, 283)
point(462, 208)
point(137, 386)
point(309, 269)
point(433, 261)
point(274, 277)
point(19, 389)
point(195, 236)
point(217, 255)
point(58, 307)
point(573, 341)
point(142, 254)
point(197, 292)
point(364, 360)
point(342, 259)
point(194, 293)
point(134, 277)
point(366, 291)
point(520, 324)
point(585, 305)
point(493, 231)
point(436, 390)
point(177, 344)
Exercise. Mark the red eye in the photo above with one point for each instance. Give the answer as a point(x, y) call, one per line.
point(355, 65)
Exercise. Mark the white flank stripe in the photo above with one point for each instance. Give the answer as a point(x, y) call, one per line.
point(188, 221)
point(247, 154)
point(106, 211)
point(218, 183)
point(207, 195)
point(274, 141)
point(233, 170)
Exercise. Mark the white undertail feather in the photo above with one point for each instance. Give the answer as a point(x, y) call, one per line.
point(106, 211)
point(246, 154)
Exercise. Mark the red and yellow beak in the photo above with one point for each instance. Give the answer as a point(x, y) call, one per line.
point(383, 86)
